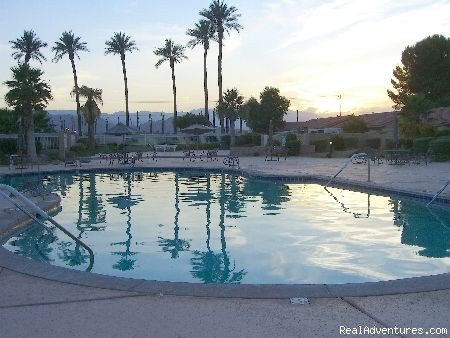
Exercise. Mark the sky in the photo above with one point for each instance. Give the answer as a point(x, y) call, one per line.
point(313, 51)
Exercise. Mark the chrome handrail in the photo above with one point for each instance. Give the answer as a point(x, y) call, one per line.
point(438, 193)
point(42, 214)
point(348, 162)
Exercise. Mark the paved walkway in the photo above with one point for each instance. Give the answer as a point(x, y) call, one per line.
point(42, 307)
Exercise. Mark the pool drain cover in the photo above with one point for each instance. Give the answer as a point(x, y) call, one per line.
point(300, 301)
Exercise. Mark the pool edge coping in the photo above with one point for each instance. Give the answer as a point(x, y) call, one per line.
point(20, 264)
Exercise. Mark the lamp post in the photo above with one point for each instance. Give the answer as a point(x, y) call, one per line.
point(162, 123)
point(150, 123)
point(107, 124)
point(331, 149)
point(137, 120)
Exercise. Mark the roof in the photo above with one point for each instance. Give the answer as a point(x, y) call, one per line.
point(440, 116)
point(373, 120)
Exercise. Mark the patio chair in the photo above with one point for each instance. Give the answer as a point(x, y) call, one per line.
point(231, 161)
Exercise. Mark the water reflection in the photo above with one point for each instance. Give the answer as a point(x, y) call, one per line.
point(207, 210)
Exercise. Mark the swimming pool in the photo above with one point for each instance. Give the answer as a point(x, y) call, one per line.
point(225, 228)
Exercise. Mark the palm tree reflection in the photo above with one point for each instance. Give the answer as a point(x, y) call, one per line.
point(176, 245)
point(213, 267)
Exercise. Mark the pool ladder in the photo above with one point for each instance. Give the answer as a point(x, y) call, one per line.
point(358, 155)
point(438, 193)
point(35, 210)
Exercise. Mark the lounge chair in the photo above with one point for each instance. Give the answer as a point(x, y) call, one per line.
point(231, 161)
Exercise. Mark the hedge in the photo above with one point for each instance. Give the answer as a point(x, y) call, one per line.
point(350, 142)
point(338, 142)
point(422, 144)
point(321, 145)
point(373, 143)
point(8, 146)
point(441, 148)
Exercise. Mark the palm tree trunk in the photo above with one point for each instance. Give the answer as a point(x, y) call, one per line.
point(125, 80)
point(175, 114)
point(29, 132)
point(205, 82)
point(91, 135)
point(240, 125)
point(232, 133)
point(219, 75)
point(77, 96)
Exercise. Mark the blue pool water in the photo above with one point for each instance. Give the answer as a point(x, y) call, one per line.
point(225, 228)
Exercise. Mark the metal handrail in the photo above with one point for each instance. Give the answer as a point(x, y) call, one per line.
point(41, 213)
point(358, 155)
point(438, 193)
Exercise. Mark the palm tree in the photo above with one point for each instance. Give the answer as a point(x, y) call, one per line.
point(28, 93)
point(90, 109)
point(201, 34)
point(119, 44)
point(224, 19)
point(70, 44)
point(28, 46)
point(173, 53)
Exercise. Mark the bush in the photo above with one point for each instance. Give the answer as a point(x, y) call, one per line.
point(225, 141)
point(8, 146)
point(291, 137)
point(78, 148)
point(350, 142)
point(422, 144)
point(255, 139)
point(443, 132)
point(292, 147)
point(373, 143)
point(389, 144)
point(338, 142)
point(321, 145)
point(441, 148)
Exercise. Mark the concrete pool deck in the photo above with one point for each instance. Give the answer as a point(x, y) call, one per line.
point(44, 301)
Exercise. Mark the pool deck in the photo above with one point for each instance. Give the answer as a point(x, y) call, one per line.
point(45, 301)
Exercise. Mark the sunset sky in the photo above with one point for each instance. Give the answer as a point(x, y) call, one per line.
point(311, 50)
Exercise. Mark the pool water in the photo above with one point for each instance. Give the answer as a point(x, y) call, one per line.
point(225, 228)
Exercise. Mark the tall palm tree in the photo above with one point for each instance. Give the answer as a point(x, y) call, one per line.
point(69, 44)
point(28, 46)
point(201, 34)
point(224, 19)
point(90, 109)
point(174, 53)
point(119, 44)
point(28, 92)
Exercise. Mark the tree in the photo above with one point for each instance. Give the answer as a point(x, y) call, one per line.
point(27, 92)
point(355, 125)
point(272, 106)
point(9, 121)
point(201, 34)
point(119, 44)
point(90, 110)
point(42, 122)
point(424, 71)
point(69, 44)
point(189, 119)
point(174, 53)
point(28, 47)
point(229, 108)
point(413, 117)
point(224, 19)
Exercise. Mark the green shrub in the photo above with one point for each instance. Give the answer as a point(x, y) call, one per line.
point(441, 148)
point(389, 144)
point(350, 142)
point(373, 143)
point(8, 146)
point(276, 143)
point(292, 147)
point(338, 142)
point(443, 132)
point(225, 141)
point(421, 145)
point(321, 145)
point(255, 139)
point(241, 140)
point(291, 137)
point(78, 148)
point(38, 147)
